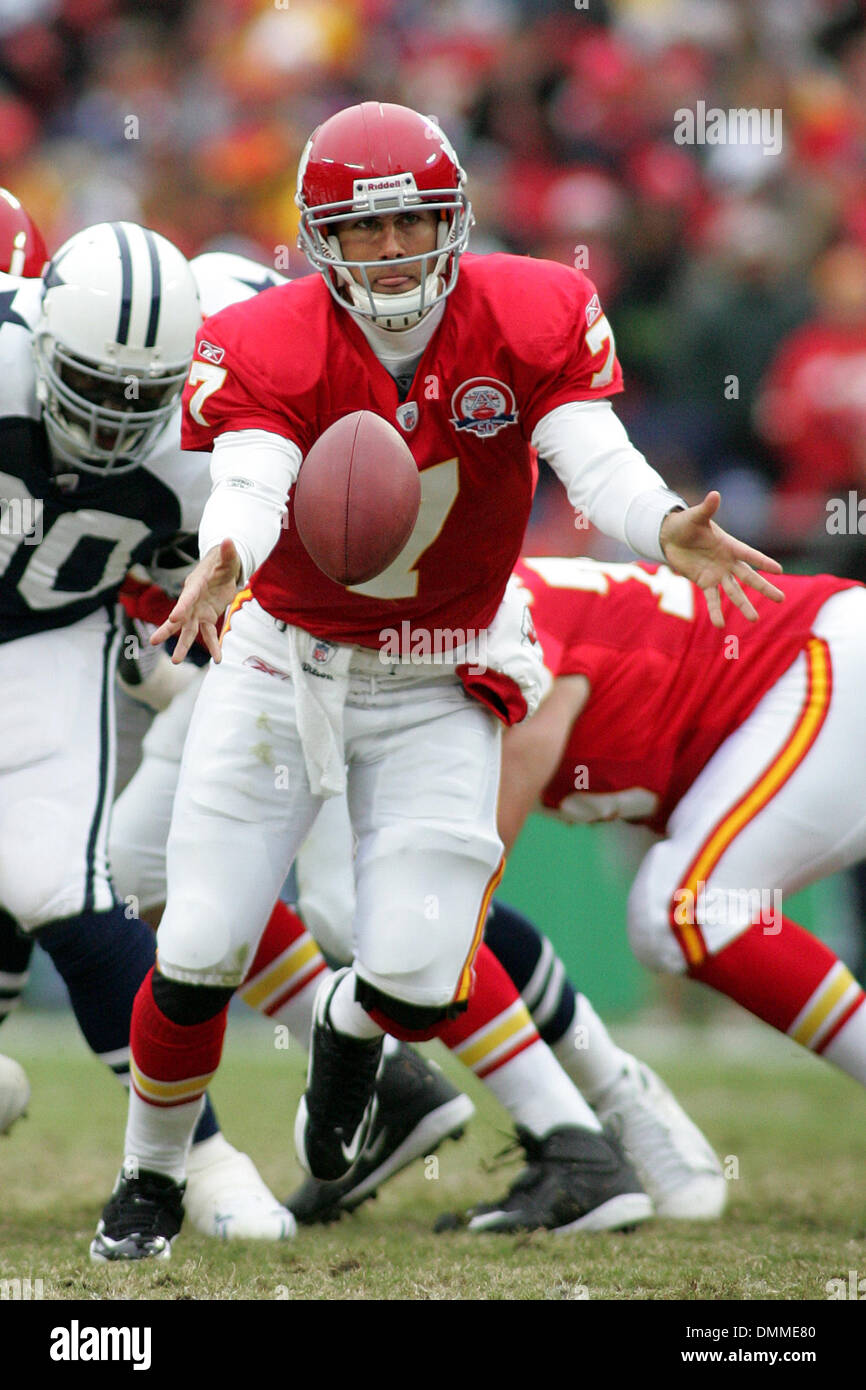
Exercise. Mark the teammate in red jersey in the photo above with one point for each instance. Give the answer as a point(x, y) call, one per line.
point(739, 749)
point(476, 369)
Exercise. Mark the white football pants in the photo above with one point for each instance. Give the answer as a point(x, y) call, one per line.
point(57, 750)
point(423, 772)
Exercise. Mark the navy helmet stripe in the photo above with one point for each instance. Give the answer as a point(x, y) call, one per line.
point(155, 288)
point(125, 282)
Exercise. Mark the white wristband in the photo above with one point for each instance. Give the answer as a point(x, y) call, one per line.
point(644, 517)
point(252, 472)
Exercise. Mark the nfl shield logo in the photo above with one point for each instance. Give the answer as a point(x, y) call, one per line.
point(407, 416)
point(322, 652)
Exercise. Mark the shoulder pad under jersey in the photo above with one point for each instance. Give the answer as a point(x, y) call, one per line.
point(20, 302)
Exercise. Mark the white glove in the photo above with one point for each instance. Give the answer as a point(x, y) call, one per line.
point(144, 672)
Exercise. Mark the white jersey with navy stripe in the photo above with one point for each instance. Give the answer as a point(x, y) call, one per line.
point(66, 544)
point(68, 540)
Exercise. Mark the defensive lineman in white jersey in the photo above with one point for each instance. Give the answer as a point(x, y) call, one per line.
point(93, 481)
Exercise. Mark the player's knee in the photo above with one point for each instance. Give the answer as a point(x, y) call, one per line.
point(327, 912)
point(649, 930)
point(138, 874)
point(418, 908)
point(199, 945)
point(412, 1022)
point(187, 1004)
point(44, 866)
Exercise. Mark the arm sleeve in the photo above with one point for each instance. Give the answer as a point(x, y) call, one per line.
point(253, 472)
point(604, 475)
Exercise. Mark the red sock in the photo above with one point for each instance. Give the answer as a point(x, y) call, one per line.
point(171, 1063)
point(781, 976)
point(284, 928)
point(496, 1026)
point(286, 961)
point(494, 1001)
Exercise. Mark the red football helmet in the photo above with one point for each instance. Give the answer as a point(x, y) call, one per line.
point(22, 250)
point(378, 159)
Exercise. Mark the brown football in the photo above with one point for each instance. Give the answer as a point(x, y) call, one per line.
point(357, 498)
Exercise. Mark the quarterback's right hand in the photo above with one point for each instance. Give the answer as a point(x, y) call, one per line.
point(206, 595)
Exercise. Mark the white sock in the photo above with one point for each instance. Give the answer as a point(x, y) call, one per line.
point(346, 1013)
point(588, 1053)
point(848, 1048)
point(158, 1137)
point(537, 1094)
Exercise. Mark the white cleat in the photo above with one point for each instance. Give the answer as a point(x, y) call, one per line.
point(674, 1161)
point(14, 1093)
point(226, 1197)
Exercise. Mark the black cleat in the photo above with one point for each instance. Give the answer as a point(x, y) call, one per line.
point(141, 1219)
point(417, 1110)
point(575, 1180)
point(338, 1107)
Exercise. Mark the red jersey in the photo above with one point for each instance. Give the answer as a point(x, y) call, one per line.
point(518, 337)
point(667, 687)
point(813, 407)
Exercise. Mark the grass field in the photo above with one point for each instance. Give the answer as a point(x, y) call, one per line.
point(793, 1131)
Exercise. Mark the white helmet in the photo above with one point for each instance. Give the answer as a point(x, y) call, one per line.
point(113, 344)
point(224, 277)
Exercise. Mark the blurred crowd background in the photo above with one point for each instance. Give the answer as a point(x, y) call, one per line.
point(735, 280)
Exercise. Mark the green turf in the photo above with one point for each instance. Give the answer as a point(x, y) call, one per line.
point(793, 1130)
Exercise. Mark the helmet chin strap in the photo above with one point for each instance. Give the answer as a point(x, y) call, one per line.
point(396, 311)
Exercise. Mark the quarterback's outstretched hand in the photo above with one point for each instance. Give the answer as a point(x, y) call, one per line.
point(206, 595)
point(696, 547)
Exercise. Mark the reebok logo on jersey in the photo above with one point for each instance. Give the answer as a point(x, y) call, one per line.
point(210, 352)
point(593, 311)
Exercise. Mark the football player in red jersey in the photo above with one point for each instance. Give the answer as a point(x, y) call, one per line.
point(737, 750)
point(417, 1108)
point(476, 368)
